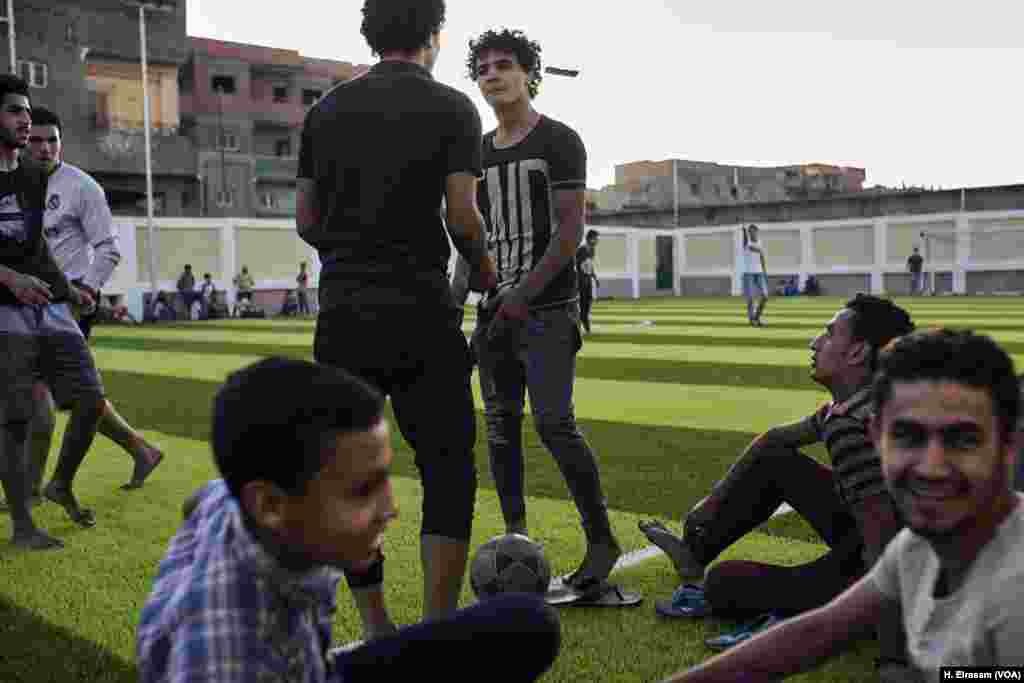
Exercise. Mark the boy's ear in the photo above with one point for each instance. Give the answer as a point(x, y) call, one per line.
point(265, 503)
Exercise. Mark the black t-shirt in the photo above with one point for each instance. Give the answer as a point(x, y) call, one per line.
point(22, 245)
point(516, 198)
point(379, 149)
point(914, 262)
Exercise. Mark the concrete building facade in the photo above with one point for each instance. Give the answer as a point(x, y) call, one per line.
point(650, 185)
point(82, 59)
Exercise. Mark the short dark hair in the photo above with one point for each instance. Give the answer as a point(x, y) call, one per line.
point(13, 85)
point(959, 356)
point(283, 440)
point(878, 321)
point(41, 116)
point(401, 25)
point(527, 53)
point(592, 233)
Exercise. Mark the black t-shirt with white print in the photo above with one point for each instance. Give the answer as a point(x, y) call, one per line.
point(516, 198)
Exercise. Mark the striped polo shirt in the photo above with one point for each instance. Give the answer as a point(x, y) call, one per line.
point(843, 428)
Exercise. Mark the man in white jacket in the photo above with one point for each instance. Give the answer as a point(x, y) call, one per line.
point(80, 233)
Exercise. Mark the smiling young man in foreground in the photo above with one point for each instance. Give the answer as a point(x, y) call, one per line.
point(946, 406)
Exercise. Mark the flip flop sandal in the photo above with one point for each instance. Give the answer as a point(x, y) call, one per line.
point(687, 602)
point(591, 593)
point(744, 632)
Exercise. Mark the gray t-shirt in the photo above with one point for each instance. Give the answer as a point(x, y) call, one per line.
point(982, 623)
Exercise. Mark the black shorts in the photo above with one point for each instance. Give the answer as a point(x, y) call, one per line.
point(43, 343)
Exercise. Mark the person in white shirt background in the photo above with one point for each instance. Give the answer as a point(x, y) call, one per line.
point(80, 233)
point(755, 277)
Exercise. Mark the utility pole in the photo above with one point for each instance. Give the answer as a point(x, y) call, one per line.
point(158, 6)
point(222, 143)
point(10, 36)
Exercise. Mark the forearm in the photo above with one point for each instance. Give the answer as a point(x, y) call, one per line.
point(557, 256)
point(793, 646)
point(106, 257)
point(467, 233)
point(794, 435)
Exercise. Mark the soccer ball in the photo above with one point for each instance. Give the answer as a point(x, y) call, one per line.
point(511, 563)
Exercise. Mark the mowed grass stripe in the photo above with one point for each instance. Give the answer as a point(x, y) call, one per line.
point(654, 370)
point(659, 450)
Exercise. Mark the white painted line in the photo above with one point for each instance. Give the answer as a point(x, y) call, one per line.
point(650, 552)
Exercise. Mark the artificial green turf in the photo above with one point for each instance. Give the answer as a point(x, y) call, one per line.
point(667, 407)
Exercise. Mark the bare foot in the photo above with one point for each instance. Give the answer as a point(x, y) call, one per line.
point(36, 539)
point(144, 466)
point(678, 551)
point(63, 497)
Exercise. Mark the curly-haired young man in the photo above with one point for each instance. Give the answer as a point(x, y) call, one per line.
point(371, 209)
point(527, 333)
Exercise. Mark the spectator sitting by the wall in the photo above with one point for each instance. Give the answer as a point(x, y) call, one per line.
point(791, 288)
point(291, 303)
point(811, 287)
point(161, 309)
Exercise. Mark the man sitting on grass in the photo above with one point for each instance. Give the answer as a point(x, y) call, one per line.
point(945, 408)
point(247, 591)
point(847, 503)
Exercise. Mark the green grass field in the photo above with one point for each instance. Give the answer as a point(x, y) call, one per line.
point(667, 407)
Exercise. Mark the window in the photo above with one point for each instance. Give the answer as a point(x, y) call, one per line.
point(269, 200)
point(283, 148)
point(310, 96)
point(280, 93)
point(229, 142)
point(695, 189)
point(225, 198)
point(225, 84)
point(34, 73)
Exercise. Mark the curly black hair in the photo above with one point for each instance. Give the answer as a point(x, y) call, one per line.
point(878, 321)
point(527, 53)
point(401, 25)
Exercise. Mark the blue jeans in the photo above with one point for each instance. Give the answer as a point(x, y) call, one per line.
point(540, 357)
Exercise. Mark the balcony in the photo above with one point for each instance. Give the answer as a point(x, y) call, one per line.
point(119, 147)
point(288, 114)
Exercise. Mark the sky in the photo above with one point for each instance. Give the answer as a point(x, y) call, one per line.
point(917, 93)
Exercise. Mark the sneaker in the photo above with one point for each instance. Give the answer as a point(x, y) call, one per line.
point(687, 601)
point(744, 632)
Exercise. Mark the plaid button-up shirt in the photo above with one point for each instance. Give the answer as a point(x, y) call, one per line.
point(223, 610)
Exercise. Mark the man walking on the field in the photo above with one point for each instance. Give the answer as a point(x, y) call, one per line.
point(755, 275)
point(586, 274)
point(37, 332)
point(372, 210)
point(79, 230)
point(527, 334)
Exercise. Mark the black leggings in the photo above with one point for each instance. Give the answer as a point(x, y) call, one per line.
point(758, 483)
point(514, 637)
